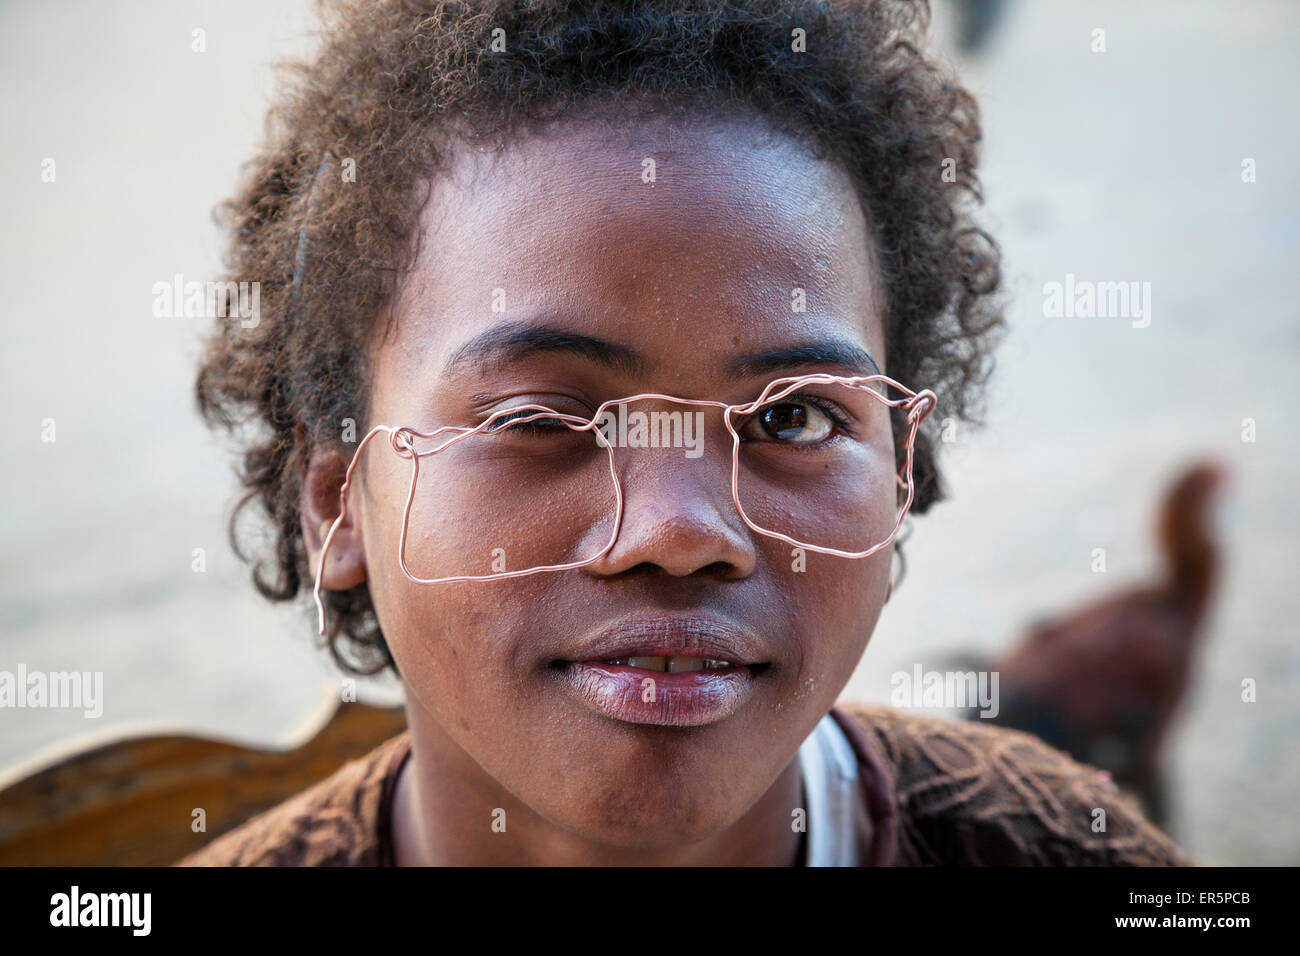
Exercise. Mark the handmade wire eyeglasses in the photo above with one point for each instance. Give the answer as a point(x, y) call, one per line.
point(544, 467)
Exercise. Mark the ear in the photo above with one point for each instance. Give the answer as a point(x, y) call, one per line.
point(346, 565)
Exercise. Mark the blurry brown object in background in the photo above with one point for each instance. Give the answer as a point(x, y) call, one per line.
point(1103, 683)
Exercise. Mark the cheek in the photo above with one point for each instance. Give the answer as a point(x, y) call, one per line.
point(835, 602)
point(487, 505)
point(450, 640)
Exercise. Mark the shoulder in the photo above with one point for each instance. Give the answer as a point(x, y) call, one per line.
point(335, 822)
point(968, 793)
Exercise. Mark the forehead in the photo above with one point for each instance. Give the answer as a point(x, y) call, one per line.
point(634, 229)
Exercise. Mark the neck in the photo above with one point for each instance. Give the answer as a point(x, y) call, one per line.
point(445, 803)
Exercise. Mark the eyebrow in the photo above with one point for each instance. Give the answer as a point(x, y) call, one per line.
point(512, 342)
point(835, 352)
point(499, 346)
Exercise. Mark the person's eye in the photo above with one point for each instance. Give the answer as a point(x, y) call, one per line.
point(797, 419)
point(537, 426)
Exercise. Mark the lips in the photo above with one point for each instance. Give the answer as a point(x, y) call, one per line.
point(659, 635)
point(665, 670)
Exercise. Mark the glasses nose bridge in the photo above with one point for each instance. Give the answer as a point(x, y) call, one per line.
point(658, 438)
point(645, 401)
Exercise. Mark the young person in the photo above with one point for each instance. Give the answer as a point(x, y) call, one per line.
point(465, 208)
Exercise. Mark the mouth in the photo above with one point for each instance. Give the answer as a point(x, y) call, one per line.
point(664, 670)
point(676, 664)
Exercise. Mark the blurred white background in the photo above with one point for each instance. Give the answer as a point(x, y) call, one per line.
point(1115, 166)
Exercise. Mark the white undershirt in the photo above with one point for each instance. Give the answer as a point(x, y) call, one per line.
point(829, 767)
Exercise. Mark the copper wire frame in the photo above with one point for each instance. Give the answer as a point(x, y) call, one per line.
point(401, 439)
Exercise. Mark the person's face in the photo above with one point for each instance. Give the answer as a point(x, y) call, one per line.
point(682, 276)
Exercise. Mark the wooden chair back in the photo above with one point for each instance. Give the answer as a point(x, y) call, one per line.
point(130, 800)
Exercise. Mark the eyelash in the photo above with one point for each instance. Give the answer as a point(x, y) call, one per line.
point(536, 427)
point(828, 408)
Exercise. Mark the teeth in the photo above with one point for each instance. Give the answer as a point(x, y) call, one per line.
point(671, 665)
point(648, 663)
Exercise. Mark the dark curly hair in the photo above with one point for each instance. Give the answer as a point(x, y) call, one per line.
point(397, 82)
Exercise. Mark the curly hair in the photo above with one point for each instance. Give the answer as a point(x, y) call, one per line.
point(395, 83)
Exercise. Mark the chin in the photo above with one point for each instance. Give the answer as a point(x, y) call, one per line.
point(654, 801)
point(632, 819)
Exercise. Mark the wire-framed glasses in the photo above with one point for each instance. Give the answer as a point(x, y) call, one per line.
point(812, 460)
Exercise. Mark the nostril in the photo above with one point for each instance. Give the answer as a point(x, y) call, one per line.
point(653, 568)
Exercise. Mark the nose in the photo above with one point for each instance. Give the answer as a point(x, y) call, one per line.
point(678, 514)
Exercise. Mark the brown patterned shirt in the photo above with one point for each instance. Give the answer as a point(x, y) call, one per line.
point(936, 792)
